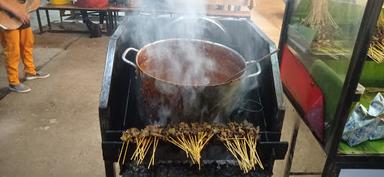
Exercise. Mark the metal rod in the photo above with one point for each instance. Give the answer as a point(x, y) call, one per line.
point(39, 20)
point(291, 151)
point(251, 63)
point(48, 19)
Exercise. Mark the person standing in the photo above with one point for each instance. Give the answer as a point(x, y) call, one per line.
point(18, 43)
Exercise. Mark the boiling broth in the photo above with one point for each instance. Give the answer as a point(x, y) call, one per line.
point(190, 64)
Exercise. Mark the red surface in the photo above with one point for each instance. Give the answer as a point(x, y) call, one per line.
point(299, 83)
point(92, 3)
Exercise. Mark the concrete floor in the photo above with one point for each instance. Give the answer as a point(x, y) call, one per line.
point(54, 130)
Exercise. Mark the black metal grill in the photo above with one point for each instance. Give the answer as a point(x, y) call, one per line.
point(261, 105)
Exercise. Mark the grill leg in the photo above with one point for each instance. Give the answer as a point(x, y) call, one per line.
point(109, 169)
point(291, 152)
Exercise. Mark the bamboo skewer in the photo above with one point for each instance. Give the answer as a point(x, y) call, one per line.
point(376, 47)
point(125, 152)
point(121, 151)
point(319, 18)
point(191, 140)
point(124, 147)
point(242, 145)
point(154, 147)
point(239, 139)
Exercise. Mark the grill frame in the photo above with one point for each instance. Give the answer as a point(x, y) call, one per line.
point(116, 89)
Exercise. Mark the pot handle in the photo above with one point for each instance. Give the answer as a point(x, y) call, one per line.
point(257, 62)
point(251, 62)
point(258, 68)
point(125, 54)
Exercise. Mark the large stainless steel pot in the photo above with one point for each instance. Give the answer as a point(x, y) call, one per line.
point(187, 80)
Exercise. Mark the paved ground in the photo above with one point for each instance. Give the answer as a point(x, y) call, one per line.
point(54, 130)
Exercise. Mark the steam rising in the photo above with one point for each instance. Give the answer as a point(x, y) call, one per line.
point(194, 66)
point(181, 62)
point(188, 25)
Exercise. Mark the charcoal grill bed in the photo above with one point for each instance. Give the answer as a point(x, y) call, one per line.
point(118, 107)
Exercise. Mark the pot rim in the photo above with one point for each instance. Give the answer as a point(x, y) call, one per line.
point(194, 40)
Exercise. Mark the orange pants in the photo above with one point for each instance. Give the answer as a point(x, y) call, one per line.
point(18, 43)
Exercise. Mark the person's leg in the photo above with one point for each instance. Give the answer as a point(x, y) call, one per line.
point(94, 29)
point(84, 16)
point(102, 16)
point(10, 40)
point(26, 50)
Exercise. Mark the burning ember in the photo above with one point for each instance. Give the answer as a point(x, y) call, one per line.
point(239, 139)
